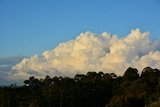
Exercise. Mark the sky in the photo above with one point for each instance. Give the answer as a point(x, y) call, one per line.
point(29, 27)
point(65, 37)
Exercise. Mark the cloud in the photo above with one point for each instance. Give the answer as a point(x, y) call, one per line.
point(10, 61)
point(93, 52)
point(6, 64)
point(4, 75)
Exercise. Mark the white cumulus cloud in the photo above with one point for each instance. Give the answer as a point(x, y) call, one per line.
point(93, 52)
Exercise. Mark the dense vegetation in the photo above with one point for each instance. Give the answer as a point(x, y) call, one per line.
point(90, 90)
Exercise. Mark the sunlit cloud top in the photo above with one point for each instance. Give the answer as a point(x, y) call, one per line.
point(93, 52)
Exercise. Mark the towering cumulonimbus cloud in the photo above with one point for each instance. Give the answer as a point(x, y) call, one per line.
point(93, 52)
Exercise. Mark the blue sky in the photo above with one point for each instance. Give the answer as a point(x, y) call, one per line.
point(29, 27)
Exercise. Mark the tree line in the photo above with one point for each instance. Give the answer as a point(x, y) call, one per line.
point(87, 90)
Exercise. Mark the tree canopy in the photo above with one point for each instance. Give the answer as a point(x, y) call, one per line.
point(94, 89)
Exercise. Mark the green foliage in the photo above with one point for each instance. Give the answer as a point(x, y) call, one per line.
point(154, 104)
point(90, 90)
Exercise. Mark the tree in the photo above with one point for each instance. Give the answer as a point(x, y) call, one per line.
point(131, 74)
point(47, 81)
point(90, 90)
point(26, 82)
